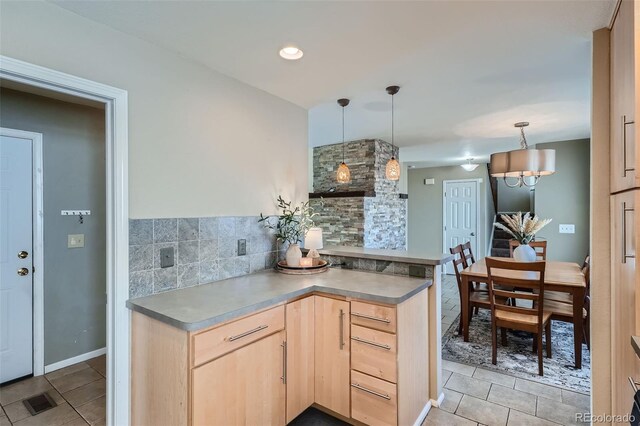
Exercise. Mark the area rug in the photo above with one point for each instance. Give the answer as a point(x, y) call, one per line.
point(517, 358)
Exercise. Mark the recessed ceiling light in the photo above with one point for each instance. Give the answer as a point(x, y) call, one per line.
point(291, 53)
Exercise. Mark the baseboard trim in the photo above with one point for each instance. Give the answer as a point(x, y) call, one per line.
point(438, 402)
point(423, 414)
point(74, 360)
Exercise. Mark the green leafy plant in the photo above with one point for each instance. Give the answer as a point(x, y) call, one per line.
point(294, 222)
point(522, 228)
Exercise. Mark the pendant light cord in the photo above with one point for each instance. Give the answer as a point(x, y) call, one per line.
point(343, 134)
point(523, 140)
point(392, 121)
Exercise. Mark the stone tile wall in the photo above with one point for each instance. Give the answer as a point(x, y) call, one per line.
point(375, 221)
point(205, 250)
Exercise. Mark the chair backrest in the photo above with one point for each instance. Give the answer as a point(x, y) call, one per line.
point(539, 246)
point(506, 276)
point(467, 254)
point(586, 270)
point(458, 263)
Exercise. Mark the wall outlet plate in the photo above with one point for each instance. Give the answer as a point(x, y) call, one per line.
point(166, 257)
point(242, 247)
point(565, 228)
point(75, 240)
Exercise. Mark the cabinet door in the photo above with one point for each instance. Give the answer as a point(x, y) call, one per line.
point(244, 387)
point(623, 97)
point(332, 347)
point(300, 327)
point(624, 291)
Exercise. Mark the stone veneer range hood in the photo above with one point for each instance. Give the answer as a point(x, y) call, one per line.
point(367, 212)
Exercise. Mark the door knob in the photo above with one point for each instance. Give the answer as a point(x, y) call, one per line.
point(23, 254)
point(23, 271)
point(473, 234)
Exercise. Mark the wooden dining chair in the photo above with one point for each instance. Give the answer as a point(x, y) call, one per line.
point(504, 278)
point(468, 260)
point(477, 299)
point(539, 246)
point(561, 304)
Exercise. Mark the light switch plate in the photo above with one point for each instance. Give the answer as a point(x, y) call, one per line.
point(567, 228)
point(75, 240)
point(242, 247)
point(166, 257)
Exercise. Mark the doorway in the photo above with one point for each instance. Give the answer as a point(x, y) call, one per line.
point(460, 215)
point(38, 79)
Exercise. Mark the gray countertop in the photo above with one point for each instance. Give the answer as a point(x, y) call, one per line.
point(195, 308)
point(407, 256)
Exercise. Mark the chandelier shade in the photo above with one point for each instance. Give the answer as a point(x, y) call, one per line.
point(523, 163)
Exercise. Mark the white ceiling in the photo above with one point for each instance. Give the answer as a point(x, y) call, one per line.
point(467, 69)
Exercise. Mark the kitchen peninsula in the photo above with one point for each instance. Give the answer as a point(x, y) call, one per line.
point(261, 348)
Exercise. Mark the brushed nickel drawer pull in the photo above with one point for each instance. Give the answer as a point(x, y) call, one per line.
point(625, 169)
point(625, 256)
point(284, 362)
point(246, 333)
point(372, 392)
point(369, 317)
point(341, 325)
point(369, 342)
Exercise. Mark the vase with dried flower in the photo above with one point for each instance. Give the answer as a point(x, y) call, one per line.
point(523, 229)
point(290, 226)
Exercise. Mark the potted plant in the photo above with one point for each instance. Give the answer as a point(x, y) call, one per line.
point(291, 226)
point(523, 229)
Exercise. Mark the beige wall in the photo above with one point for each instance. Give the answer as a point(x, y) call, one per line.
point(425, 207)
point(564, 197)
point(200, 143)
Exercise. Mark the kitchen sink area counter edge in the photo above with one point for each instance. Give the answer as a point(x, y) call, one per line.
point(203, 306)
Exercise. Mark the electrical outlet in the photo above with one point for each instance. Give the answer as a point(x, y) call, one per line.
point(242, 247)
point(75, 240)
point(166, 257)
point(567, 228)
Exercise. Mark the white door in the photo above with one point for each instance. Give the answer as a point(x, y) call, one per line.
point(460, 216)
point(16, 254)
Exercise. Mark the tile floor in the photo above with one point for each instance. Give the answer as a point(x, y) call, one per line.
point(79, 391)
point(476, 396)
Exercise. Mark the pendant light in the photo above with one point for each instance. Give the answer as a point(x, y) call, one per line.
point(393, 166)
point(469, 166)
point(343, 175)
point(526, 165)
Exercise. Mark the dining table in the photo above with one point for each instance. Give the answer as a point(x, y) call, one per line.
point(566, 277)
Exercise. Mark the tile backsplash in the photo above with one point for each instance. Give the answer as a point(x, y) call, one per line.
point(205, 250)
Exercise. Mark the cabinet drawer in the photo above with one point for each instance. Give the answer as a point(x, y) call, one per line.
point(374, 352)
point(373, 401)
point(373, 316)
point(219, 341)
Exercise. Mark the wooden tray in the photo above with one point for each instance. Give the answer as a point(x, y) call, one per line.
point(322, 266)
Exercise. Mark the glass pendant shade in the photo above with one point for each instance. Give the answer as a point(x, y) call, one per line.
point(343, 175)
point(393, 169)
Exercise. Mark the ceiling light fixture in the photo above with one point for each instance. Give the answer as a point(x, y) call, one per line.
point(526, 165)
point(343, 175)
point(393, 166)
point(468, 166)
point(291, 53)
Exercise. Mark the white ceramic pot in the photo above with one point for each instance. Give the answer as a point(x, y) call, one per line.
point(293, 255)
point(524, 253)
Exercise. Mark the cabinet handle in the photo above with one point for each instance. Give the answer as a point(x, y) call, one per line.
point(625, 169)
point(341, 324)
point(284, 362)
point(246, 333)
point(369, 342)
point(625, 210)
point(369, 317)
point(372, 392)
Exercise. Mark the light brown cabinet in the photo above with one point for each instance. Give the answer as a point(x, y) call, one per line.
point(332, 353)
point(623, 100)
point(244, 387)
point(624, 294)
point(300, 326)
point(268, 367)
